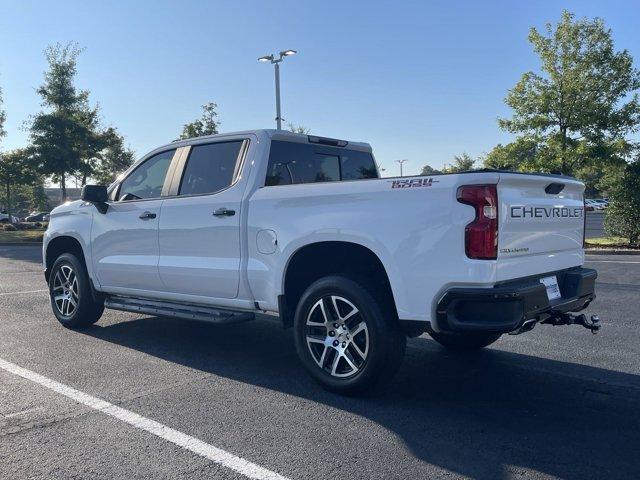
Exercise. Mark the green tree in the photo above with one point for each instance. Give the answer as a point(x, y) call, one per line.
point(461, 163)
point(207, 124)
point(600, 179)
point(115, 159)
point(3, 117)
point(19, 183)
point(66, 137)
point(299, 129)
point(93, 144)
point(581, 106)
point(3, 132)
point(23, 201)
point(16, 170)
point(623, 213)
point(38, 196)
point(522, 154)
point(429, 170)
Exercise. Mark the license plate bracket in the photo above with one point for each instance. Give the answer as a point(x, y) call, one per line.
point(553, 289)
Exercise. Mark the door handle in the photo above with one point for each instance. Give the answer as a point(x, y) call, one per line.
point(147, 215)
point(224, 212)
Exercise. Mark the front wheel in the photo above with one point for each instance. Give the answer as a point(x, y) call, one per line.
point(346, 339)
point(71, 297)
point(462, 342)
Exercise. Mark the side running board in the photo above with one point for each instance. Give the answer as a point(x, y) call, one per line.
point(177, 310)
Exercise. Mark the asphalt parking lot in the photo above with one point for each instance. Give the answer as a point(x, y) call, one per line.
point(557, 402)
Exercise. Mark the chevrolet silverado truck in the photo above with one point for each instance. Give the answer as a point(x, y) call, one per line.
point(231, 227)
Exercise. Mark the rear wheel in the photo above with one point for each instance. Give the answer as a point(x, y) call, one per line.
point(71, 297)
point(346, 339)
point(465, 341)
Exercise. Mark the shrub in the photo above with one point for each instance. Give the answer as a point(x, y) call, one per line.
point(623, 213)
point(9, 228)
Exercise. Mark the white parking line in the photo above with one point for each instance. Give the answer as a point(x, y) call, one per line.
point(217, 455)
point(24, 291)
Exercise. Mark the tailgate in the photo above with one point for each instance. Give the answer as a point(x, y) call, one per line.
point(541, 223)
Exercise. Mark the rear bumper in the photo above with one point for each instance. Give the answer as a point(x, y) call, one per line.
point(508, 305)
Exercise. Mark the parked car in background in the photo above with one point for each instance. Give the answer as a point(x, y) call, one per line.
point(37, 217)
point(4, 217)
point(595, 204)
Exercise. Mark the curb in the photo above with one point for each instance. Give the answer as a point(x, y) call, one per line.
point(20, 244)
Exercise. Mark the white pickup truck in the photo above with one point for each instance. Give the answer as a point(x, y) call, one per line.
point(227, 227)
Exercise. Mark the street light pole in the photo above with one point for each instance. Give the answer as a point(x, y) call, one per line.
point(278, 114)
point(401, 162)
point(276, 63)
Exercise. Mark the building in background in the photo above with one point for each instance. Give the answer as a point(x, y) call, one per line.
point(54, 195)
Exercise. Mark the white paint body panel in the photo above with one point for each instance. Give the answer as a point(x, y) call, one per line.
point(187, 254)
point(125, 247)
point(73, 219)
point(414, 231)
point(538, 238)
point(199, 252)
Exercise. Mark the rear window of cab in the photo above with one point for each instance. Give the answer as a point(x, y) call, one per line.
point(293, 163)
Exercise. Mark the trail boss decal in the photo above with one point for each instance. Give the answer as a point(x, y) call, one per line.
point(510, 251)
point(546, 212)
point(413, 182)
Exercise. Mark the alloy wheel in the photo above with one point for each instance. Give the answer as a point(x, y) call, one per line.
point(337, 336)
point(65, 290)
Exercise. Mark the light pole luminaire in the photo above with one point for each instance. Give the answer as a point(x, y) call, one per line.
point(276, 63)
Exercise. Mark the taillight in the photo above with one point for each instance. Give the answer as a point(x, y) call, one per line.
point(481, 235)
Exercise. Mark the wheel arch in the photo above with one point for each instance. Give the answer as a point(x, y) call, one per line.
point(59, 245)
point(315, 260)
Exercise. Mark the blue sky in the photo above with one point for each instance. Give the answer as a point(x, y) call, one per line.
point(418, 80)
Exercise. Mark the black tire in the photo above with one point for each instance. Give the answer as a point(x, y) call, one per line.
point(464, 342)
point(87, 311)
point(384, 346)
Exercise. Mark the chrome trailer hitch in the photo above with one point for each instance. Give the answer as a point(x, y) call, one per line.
point(592, 323)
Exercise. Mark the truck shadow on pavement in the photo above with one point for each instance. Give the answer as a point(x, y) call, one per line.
point(490, 414)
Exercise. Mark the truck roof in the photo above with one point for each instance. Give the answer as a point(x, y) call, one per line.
point(274, 134)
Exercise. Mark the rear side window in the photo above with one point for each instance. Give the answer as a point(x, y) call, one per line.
point(322, 168)
point(291, 163)
point(147, 180)
point(210, 168)
point(357, 165)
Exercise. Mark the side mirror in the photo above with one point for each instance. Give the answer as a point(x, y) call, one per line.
point(96, 194)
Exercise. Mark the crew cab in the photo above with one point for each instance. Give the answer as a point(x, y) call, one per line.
point(232, 227)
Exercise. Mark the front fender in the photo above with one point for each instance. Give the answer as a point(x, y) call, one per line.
point(71, 223)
